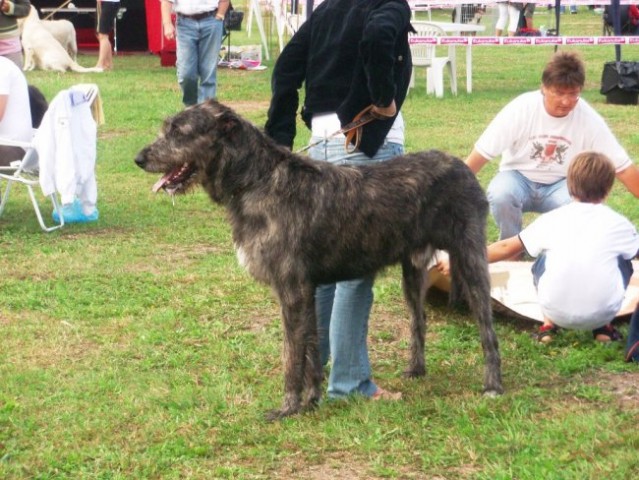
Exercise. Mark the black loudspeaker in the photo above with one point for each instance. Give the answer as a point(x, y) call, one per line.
point(620, 83)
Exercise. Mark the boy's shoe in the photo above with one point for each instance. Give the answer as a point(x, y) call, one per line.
point(547, 333)
point(73, 213)
point(606, 334)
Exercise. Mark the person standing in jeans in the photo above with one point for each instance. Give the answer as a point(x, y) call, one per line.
point(198, 31)
point(350, 54)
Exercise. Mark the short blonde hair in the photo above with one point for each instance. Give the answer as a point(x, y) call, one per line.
point(590, 177)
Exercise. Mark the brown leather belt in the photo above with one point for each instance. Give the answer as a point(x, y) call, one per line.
point(352, 130)
point(199, 16)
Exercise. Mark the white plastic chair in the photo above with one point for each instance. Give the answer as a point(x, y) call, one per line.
point(424, 55)
point(25, 172)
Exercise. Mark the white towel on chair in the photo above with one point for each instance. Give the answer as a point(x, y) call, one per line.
point(66, 145)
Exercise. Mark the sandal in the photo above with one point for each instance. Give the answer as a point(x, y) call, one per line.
point(547, 333)
point(381, 394)
point(606, 334)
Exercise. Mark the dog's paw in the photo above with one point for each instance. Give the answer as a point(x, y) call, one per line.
point(414, 372)
point(493, 393)
point(274, 415)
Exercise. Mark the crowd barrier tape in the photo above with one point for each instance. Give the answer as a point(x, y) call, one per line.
point(454, 3)
point(495, 41)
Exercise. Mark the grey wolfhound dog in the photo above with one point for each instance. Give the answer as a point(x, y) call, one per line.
point(299, 223)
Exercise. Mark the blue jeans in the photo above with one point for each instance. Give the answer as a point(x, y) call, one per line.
point(511, 194)
point(198, 50)
point(625, 268)
point(343, 308)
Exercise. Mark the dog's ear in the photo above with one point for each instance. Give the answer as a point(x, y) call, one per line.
point(228, 124)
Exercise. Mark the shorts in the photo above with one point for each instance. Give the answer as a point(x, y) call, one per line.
point(106, 13)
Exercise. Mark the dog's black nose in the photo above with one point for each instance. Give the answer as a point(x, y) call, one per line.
point(140, 160)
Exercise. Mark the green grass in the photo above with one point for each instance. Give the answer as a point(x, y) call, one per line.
point(138, 348)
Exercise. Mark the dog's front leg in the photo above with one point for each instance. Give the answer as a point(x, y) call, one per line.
point(313, 373)
point(28, 60)
point(415, 284)
point(300, 354)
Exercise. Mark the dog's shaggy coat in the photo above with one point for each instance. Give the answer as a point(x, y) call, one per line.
point(298, 223)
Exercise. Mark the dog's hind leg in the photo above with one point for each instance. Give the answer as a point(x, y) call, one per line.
point(415, 284)
point(469, 269)
point(301, 354)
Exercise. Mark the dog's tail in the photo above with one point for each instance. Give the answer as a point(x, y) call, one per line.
point(75, 67)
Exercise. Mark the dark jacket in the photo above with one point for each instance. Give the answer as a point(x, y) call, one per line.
point(349, 54)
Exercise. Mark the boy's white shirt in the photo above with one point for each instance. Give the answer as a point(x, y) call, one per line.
point(581, 287)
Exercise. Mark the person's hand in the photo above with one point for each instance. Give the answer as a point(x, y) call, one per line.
point(443, 266)
point(384, 112)
point(169, 30)
point(4, 6)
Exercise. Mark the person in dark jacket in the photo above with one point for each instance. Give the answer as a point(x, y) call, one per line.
point(10, 45)
point(349, 55)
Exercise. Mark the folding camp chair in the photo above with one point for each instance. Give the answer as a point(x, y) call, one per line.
point(55, 147)
point(25, 172)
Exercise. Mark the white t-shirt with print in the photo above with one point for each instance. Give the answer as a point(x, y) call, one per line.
point(541, 146)
point(581, 287)
point(16, 122)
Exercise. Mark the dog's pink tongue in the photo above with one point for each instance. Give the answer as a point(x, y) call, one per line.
point(161, 182)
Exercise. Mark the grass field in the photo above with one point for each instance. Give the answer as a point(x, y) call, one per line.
point(137, 348)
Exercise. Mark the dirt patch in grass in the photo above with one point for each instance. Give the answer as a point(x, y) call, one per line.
point(344, 467)
point(248, 107)
point(624, 386)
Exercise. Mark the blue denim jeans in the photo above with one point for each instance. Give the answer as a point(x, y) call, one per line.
point(343, 308)
point(511, 194)
point(539, 267)
point(198, 50)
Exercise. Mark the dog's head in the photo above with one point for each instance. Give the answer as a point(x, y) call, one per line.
point(31, 17)
point(189, 144)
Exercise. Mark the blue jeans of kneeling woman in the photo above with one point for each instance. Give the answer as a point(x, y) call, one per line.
point(343, 308)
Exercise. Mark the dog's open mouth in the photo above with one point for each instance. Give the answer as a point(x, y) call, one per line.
point(175, 180)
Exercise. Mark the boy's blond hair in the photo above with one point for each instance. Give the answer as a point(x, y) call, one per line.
point(590, 177)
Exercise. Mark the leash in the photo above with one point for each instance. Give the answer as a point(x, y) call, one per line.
point(57, 9)
point(351, 130)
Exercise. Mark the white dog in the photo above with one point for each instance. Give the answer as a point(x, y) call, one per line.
point(42, 50)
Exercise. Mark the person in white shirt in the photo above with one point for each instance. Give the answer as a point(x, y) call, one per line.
point(198, 31)
point(536, 135)
point(15, 112)
point(583, 254)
